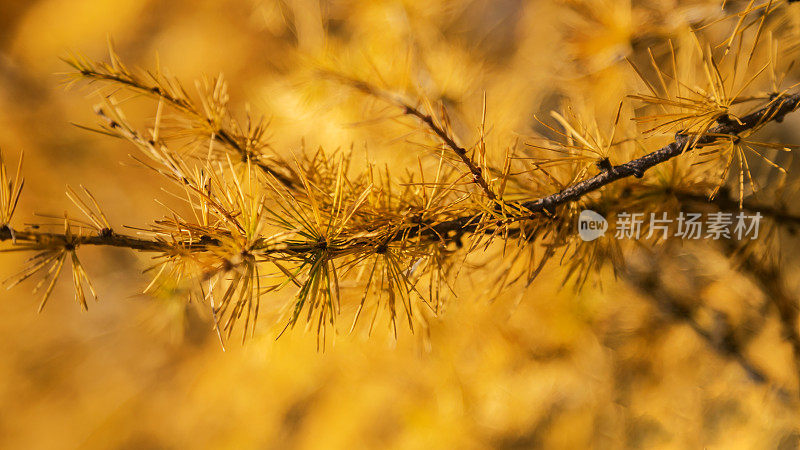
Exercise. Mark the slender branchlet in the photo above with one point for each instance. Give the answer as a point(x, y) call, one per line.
point(439, 127)
point(211, 117)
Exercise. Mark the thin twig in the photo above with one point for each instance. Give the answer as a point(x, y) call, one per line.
point(429, 121)
point(218, 134)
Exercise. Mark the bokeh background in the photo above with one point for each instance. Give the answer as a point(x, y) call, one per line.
point(614, 365)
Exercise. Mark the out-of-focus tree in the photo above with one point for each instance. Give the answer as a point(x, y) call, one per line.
point(413, 174)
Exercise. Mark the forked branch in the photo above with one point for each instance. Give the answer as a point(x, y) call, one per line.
point(453, 229)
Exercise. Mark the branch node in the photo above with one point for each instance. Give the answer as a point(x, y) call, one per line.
point(605, 165)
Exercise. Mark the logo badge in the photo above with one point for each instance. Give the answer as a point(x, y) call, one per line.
point(591, 225)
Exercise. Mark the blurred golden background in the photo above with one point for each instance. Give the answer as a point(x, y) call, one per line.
point(545, 367)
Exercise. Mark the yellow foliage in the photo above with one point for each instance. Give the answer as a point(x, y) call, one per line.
point(356, 121)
